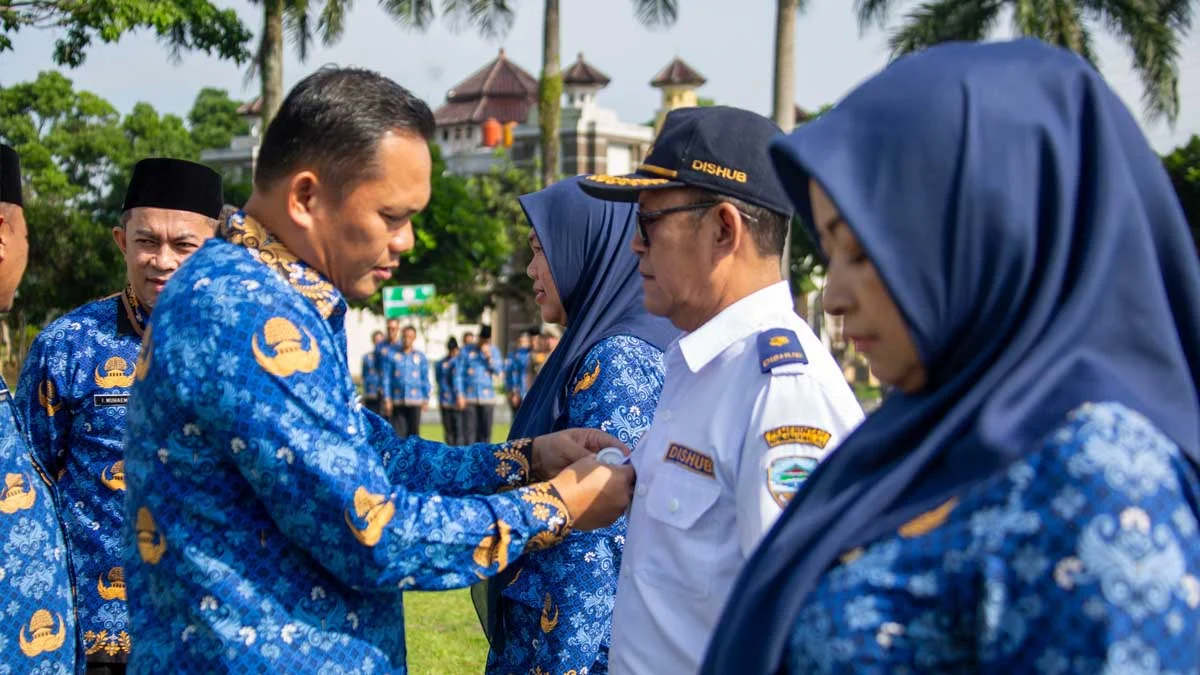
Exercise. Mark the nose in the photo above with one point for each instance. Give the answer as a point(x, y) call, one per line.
point(166, 260)
point(637, 243)
point(529, 271)
point(403, 241)
point(838, 298)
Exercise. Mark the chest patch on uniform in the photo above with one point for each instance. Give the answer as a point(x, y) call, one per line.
point(778, 347)
point(109, 400)
point(796, 435)
point(692, 460)
point(785, 475)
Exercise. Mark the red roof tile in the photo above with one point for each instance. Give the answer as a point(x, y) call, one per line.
point(677, 72)
point(582, 73)
point(501, 89)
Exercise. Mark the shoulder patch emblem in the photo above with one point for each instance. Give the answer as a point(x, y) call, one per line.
point(692, 460)
point(796, 435)
point(785, 476)
point(290, 356)
point(778, 347)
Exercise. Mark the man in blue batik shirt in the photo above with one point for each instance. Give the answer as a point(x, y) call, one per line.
point(406, 383)
point(479, 364)
point(75, 385)
point(514, 372)
point(37, 613)
point(274, 522)
point(448, 395)
point(372, 375)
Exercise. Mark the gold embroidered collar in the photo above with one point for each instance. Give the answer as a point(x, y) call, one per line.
point(242, 230)
point(139, 317)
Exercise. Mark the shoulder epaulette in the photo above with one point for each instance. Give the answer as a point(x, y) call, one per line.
point(778, 347)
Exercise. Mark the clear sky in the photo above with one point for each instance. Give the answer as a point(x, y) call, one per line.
point(730, 43)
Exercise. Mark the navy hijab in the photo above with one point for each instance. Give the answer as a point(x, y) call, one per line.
point(1036, 249)
point(586, 243)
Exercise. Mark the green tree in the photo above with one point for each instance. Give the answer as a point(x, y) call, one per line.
point(462, 239)
point(1152, 32)
point(77, 152)
point(650, 13)
point(214, 119)
point(179, 24)
point(296, 19)
point(1183, 166)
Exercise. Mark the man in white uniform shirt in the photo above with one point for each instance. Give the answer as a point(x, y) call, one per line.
point(752, 400)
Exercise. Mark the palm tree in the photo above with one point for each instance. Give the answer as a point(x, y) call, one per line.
point(1151, 29)
point(784, 103)
point(490, 17)
point(650, 13)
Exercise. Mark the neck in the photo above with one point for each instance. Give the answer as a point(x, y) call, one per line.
point(270, 210)
point(748, 279)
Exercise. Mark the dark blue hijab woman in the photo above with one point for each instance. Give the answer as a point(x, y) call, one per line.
point(1007, 250)
point(552, 610)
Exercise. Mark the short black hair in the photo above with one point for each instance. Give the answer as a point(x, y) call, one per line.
point(767, 228)
point(332, 122)
point(408, 328)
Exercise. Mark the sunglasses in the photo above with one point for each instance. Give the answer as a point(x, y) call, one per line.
point(648, 218)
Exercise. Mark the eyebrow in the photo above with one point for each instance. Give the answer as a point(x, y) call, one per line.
point(833, 223)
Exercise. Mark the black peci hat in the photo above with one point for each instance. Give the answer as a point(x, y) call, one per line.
point(175, 184)
point(10, 176)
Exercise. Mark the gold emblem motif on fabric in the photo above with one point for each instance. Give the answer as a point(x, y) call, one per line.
point(48, 397)
point(376, 511)
point(111, 644)
point(549, 623)
point(41, 636)
point(493, 548)
point(587, 380)
point(113, 476)
point(143, 360)
point(929, 521)
point(19, 494)
point(113, 375)
point(290, 356)
point(150, 542)
point(114, 589)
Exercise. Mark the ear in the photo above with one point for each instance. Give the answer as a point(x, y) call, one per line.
point(119, 237)
point(302, 199)
point(731, 230)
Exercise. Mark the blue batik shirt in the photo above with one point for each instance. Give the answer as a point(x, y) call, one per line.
point(406, 376)
point(447, 394)
point(372, 375)
point(475, 377)
point(556, 612)
point(273, 521)
point(514, 371)
point(1082, 558)
point(38, 631)
point(73, 392)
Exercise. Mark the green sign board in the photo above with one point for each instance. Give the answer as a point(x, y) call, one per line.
point(405, 300)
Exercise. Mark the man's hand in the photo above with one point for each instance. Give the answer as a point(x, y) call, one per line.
point(554, 452)
point(595, 494)
point(462, 403)
point(387, 408)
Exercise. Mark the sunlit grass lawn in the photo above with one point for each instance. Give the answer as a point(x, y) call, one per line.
point(443, 632)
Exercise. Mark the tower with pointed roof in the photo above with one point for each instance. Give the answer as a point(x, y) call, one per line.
point(678, 82)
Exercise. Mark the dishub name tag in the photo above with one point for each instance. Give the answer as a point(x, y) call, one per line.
point(692, 460)
point(108, 400)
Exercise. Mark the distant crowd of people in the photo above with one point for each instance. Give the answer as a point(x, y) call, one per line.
point(398, 379)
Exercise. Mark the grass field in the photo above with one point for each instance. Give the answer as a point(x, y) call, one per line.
point(442, 630)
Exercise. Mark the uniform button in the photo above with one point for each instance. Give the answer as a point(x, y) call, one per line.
point(673, 506)
point(641, 490)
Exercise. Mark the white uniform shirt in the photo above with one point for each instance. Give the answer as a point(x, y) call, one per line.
point(728, 446)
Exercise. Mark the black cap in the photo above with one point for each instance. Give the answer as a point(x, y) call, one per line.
point(714, 148)
point(175, 184)
point(451, 344)
point(10, 176)
point(485, 332)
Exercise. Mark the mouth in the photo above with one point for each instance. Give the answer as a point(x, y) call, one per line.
point(863, 344)
point(539, 295)
point(157, 284)
point(383, 273)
